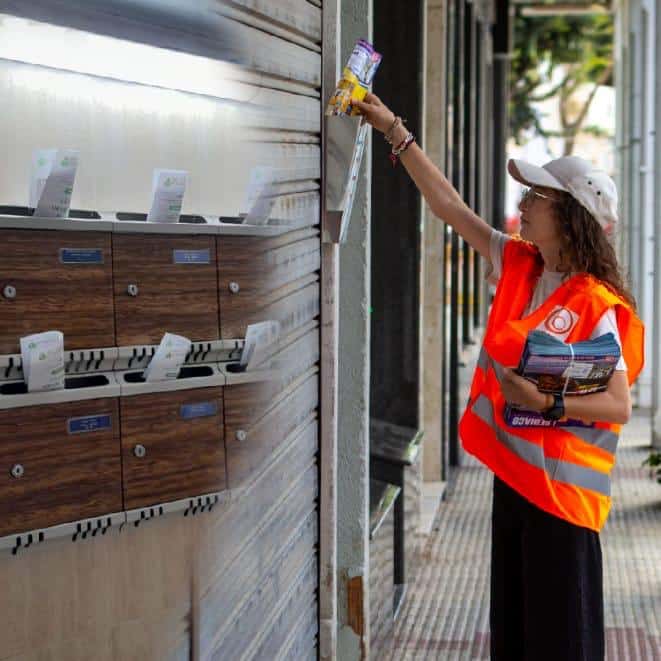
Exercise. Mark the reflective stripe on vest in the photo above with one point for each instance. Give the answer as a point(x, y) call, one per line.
point(602, 438)
point(561, 471)
point(483, 359)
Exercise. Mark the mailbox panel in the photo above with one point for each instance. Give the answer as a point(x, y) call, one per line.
point(255, 275)
point(254, 431)
point(172, 445)
point(165, 283)
point(70, 464)
point(56, 281)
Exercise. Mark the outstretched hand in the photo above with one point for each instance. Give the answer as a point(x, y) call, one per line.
point(375, 112)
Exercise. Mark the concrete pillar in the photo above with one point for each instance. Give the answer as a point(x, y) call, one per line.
point(354, 387)
point(622, 111)
point(330, 339)
point(634, 53)
point(655, 330)
point(432, 296)
point(645, 173)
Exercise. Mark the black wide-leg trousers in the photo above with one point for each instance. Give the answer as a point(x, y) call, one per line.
point(546, 584)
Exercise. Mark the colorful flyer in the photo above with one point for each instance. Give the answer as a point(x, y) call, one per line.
point(356, 79)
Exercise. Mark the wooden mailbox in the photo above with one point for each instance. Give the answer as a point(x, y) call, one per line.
point(162, 283)
point(59, 463)
point(172, 445)
point(260, 416)
point(56, 281)
point(263, 278)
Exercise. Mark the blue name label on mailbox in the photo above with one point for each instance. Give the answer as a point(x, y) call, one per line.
point(199, 410)
point(81, 256)
point(89, 423)
point(191, 256)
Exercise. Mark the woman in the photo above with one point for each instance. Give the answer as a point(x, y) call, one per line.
point(551, 489)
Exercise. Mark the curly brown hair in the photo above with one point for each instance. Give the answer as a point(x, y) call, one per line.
point(587, 247)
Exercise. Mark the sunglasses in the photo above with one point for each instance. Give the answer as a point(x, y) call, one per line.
point(530, 193)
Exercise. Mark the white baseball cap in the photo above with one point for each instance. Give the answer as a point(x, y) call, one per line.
point(591, 187)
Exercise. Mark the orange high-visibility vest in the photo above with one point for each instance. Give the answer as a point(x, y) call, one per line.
point(562, 470)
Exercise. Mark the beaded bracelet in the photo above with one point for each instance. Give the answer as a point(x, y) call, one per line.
point(401, 148)
point(388, 135)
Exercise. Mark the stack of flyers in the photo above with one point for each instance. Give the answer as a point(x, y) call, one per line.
point(168, 359)
point(42, 355)
point(356, 79)
point(558, 367)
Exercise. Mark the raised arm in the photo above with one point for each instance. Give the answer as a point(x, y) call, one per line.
point(442, 198)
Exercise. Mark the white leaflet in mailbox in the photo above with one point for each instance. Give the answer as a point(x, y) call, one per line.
point(43, 361)
point(168, 359)
point(259, 342)
point(42, 164)
point(168, 188)
point(54, 173)
point(260, 195)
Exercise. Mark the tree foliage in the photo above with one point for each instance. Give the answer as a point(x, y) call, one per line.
point(580, 47)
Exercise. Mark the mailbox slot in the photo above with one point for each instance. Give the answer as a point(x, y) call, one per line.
point(70, 383)
point(186, 372)
point(81, 214)
point(142, 217)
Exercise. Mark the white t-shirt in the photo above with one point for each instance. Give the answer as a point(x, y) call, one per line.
point(548, 282)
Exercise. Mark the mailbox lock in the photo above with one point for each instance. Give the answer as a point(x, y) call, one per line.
point(234, 287)
point(9, 291)
point(17, 470)
point(241, 435)
point(132, 290)
point(139, 451)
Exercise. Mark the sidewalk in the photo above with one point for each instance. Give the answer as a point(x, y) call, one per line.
point(446, 614)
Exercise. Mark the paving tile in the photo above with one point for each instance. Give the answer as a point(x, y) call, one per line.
point(446, 614)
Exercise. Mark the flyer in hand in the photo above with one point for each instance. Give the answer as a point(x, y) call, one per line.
point(557, 367)
point(357, 76)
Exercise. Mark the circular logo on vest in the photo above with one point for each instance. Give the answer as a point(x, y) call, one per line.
point(559, 321)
